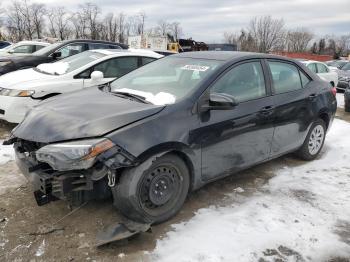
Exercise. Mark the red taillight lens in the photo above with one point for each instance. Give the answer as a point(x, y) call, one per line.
point(334, 91)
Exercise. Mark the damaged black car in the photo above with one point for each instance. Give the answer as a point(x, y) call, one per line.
point(170, 127)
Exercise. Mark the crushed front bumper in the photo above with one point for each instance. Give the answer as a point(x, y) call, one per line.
point(49, 185)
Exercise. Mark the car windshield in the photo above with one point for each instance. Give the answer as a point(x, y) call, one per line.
point(346, 66)
point(69, 64)
point(47, 49)
point(167, 80)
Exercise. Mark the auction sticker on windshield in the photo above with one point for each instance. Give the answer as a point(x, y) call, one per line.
point(195, 68)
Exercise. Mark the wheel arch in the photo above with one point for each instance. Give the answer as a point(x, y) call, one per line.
point(179, 149)
point(325, 117)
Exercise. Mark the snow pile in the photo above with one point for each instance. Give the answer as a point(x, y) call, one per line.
point(57, 68)
point(300, 215)
point(6, 153)
point(161, 98)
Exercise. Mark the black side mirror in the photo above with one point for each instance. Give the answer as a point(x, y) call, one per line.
point(218, 101)
point(56, 55)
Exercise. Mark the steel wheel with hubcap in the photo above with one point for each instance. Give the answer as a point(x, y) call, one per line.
point(153, 191)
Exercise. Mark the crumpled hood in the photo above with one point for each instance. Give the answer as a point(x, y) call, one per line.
point(81, 114)
point(24, 79)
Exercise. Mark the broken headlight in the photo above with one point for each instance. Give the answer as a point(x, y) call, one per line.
point(73, 155)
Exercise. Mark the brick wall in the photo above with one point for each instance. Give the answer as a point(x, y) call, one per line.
point(307, 56)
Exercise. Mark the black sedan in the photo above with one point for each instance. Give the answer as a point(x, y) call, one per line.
point(344, 77)
point(52, 53)
point(171, 127)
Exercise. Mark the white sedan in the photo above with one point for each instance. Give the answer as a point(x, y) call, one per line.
point(21, 90)
point(323, 71)
point(23, 47)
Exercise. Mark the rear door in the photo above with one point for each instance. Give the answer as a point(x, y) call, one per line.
point(293, 98)
point(234, 139)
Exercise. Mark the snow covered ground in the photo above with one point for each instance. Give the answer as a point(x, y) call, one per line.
point(10, 176)
point(340, 100)
point(6, 153)
point(302, 214)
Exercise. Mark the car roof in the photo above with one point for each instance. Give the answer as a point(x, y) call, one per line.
point(311, 61)
point(124, 52)
point(227, 55)
point(93, 41)
point(33, 43)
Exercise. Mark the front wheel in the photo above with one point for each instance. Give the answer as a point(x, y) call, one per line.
point(154, 191)
point(314, 141)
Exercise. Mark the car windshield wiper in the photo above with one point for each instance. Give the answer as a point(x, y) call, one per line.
point(131, 95)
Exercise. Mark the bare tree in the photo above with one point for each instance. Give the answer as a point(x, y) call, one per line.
point(15, 22)
point(246, 42)
point(111, 27)
point(121, 27)
point(230, 37)
point(162, 27)
point(37, 13)
point(142, 18)
point(176, 30)
point(90, 12)
point(59, 26)
point(298, 40)
point(267, 32)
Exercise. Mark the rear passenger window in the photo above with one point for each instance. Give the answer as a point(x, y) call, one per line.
point(38, 47)
point(322, 68)
point(244, 82)
point(146, 60)
point(117, 67)
point(312, 67)
point(285, 77)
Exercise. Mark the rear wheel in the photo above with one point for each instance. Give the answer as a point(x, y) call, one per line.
point(154, 191)
point(314, 141)
point(346, 106)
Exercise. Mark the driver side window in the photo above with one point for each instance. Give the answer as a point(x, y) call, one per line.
point(244, 82)
point(71, 49)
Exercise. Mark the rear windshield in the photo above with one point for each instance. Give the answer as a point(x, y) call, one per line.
point(69, 64)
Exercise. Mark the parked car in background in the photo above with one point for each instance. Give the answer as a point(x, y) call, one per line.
point(4, 44)
point(347, 99)
point(337, 64)
point(170, 127)
point(222, 47)
point(23, 47)
point(23, 89)
point(344, 77)
point(323, 71)
point(52, 53)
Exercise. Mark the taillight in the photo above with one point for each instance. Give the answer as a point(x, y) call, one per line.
point(334, 91)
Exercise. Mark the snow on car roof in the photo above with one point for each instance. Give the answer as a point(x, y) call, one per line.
point(123, 52)
point(33, 43)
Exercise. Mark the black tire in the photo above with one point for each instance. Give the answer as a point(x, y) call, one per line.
point(347, 107)
point(305, 152)
point(154, 191)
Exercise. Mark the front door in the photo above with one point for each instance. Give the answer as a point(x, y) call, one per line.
point(234, 139)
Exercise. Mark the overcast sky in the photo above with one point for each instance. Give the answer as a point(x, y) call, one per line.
point(206, 20)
